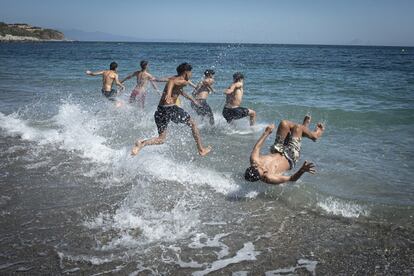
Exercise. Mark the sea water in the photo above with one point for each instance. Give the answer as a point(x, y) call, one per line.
point(66, 165)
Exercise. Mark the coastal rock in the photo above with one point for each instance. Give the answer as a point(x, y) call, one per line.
point(25, 32)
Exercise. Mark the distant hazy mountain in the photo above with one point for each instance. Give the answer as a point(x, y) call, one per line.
point(95, 36)
point(79, 35)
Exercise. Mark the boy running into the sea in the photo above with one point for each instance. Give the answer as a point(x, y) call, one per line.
point(168, 111)
point(234, 94)
point(201, 93)
point(109, 77)
point(140, 91)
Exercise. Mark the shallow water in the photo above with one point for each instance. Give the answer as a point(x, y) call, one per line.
point(69, 185)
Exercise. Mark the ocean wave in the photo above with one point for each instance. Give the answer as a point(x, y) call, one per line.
point(342, 208)
point(137, 223)
point(71, 130)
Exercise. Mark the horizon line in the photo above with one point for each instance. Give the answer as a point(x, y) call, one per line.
point(248, 43)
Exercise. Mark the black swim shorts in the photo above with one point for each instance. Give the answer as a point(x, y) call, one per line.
point(236, 113)
point(165, 114)
point(110, 95)
point(203, 109)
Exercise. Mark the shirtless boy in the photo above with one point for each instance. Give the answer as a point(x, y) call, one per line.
point(143, 76)
point(201, 93)
point(109, 77)
point(168, 111)
point(284, 154)
point(234, 94)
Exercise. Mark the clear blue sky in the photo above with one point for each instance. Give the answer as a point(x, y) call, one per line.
point(367, 22)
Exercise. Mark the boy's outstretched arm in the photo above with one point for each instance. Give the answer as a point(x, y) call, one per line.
point(97, 73)
point(190, 98)
point(119, 83)
point(230, 89)
point(128, 77)
point(256, 149)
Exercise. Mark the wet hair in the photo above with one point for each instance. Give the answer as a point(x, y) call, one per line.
point(183, 67)
point(209, 72)
point(252, 174)
point(143, 64)
point(113, 65)
point(237, 76)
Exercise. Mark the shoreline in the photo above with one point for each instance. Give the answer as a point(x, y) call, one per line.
point(287, 240)
point(13, 38)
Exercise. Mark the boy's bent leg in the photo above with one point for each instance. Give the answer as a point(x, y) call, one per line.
point(139, 144)
point(196, 134)
point(282, 133)
point(313, 135)
point(161, 120)
point(210, 115)
point(283, 130)
point(297, 131)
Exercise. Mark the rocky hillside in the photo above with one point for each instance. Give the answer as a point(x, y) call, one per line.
point(10, 32)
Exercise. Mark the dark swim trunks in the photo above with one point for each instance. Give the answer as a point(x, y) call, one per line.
point(203, 109)
point(236, 113)
point(110, 95)
point(167, 113)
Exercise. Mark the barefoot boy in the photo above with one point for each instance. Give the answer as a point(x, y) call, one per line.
point(234, 94)
point(168, 111)
point(109, 77)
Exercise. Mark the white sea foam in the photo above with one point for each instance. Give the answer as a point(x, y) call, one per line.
point(79, 132)
point(190, 264)
point(202, 240)
point(344, 209)
point(252, 194)
point(247, 253)
point(142, 268)
point(237, 127)
point(75, 131)
point(141, 224)
point(17, 127)
point(240, 273)
point(310, 266)
point(165, 169)
point(84, 258)
point(215, 223)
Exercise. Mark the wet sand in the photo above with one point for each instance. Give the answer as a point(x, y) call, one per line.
point(37, 240)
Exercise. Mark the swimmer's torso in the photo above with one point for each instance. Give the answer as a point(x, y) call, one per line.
point(142, 79)
point(108, 78)
point(179, 84)
point(235, 98)
point(203, 91)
